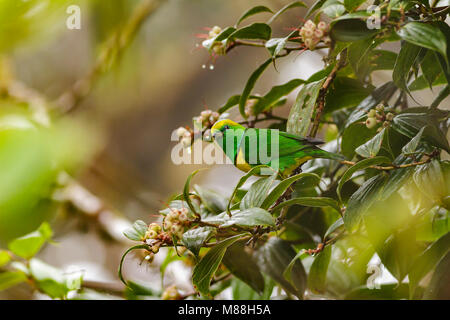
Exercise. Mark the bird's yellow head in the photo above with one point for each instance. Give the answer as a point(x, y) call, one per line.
point(222, 125)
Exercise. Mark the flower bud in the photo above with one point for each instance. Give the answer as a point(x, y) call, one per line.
point(372, 113)
point(323, 26)
point(151, 234)
point(176, 229)
point(310, 25)
point(181, 131)
point(216, 29)
point(385, 124)
point(318, 33)
point(379, 108)
point(186, 141)
point(390, 116)
point(155, 248)
point(155, 227)
point(371, 122)
point(167, 224)
point(309, 34)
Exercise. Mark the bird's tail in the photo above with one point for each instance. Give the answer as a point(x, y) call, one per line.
point(328, 155)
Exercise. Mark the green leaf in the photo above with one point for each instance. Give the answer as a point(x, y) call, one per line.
point(351, 5)
point(301, 113)
point(247, 218)
point(430, 180)
point(274, 258)
point(333, 8)
point(424, 35)
point(371, 147)
point(137, 231)
point(241, 181)
point(5, 258)
point(194, 239)
point(405, 60)
point(309, 202)
point(336, 225)
point(361, 201)
point(382, 93)
point(249, 86)
point(205, 269)
point(291, 5)
point(361, 165)
point(353, 136)
point(258, 192)
point(241, 264)
point(232, 101)
point(441, 96)
point(351, 30)
point(430, 69)
point(412, 120)
point(276, 45)
point(214, 201)
point(411, 146)
point(282, 187)
point(53, 281)
point(421, 83)
point(9, 279)
point(275, 94)
point(254, 31)
point(251, 12)
point(392, 291)
point(318, 271)
point(28, 245)
point(345, 93)
point(186, 192)
point(427, 261)
point(225, 34)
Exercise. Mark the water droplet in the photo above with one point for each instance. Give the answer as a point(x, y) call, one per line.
point(203, 66)
point(211, 67)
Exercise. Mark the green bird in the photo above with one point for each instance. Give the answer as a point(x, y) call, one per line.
point(250, 147)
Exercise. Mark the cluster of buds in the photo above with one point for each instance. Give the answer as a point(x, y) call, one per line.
point(186, 136)
point(312, 34)
point(155, 237)
point(207, 118)
point(216, 46)
point(176, 221)
point(378, 115)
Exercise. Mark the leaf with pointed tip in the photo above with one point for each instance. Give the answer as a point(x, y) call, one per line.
point(371, 147)
point(309, 202)
point(241, 264)
point(361, 165)
point(361, 201)
point(249, 86)
point(276, 45)
point(283, 185)
point(258, 192)
point(208, 265)
point(9, 279)
point(424, 35)
point(28, 245)
point(252, 11)
point(301, 113)
point(318, 272)
point(137, 231)
point(194, 239)
point(411, 146)
point(275, 257)
point(405, 60)
point(291, 5)
point(255, 31)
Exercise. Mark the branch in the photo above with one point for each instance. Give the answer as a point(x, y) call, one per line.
point(323, 91)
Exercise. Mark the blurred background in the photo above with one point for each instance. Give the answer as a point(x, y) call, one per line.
point(109, 104)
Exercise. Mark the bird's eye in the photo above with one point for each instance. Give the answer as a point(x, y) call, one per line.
point(226, 127)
